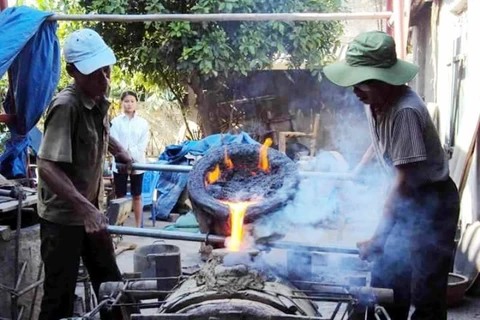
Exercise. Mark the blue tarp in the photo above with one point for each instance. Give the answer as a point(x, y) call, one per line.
point(171, 184)
point(30, 48)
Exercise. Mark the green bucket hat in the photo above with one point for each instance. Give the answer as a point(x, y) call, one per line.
point(371, 56)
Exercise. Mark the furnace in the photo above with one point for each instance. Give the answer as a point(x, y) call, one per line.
point(253, 179)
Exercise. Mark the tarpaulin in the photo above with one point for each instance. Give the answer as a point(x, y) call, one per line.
point(171, 184)
point(30, 48)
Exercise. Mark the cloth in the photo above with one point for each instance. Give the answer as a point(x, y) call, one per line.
point(61, 249)
point(185, 223)
point(371, 56)
point(30, 48)
point(75, 137)
point(120, 180)
point(406, 134)
point(419, 252)
point(171, 184)
point(133, 135)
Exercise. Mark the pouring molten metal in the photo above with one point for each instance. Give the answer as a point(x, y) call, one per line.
point(237, 214)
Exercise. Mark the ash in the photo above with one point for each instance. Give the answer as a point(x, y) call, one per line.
point(246, 184)
point(231, 272)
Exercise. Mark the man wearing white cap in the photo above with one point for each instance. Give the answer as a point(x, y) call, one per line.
point(70, 166)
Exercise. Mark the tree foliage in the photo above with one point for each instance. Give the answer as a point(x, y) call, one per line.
point(210, 49)
point(177, 54)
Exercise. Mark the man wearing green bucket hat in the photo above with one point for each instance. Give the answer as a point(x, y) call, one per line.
point(413, 244)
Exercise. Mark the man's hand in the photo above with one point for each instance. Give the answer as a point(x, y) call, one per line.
point(94, 220)
point(124, 161)
point(371, 248)
point(120, 154)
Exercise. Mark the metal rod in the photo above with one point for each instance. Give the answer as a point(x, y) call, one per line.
point(161, 167)
point(162, 234)
point(14, 304)
point(185, 169)
point(22, 271)
point(20, 314)
point(34, 299)
point(197, 237)
point(210, 17)
point(30, 287)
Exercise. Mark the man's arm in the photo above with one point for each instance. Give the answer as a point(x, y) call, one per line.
point(142, 143)
point(407, 154)
point(367, 157)
point(403, 187)
point(119, 153)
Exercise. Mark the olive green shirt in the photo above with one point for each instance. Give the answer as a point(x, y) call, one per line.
point(76, 139)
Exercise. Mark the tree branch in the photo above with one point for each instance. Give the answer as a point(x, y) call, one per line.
point(179, 99)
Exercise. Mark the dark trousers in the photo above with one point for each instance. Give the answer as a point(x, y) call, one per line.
point(419, 252)
point(61, 249)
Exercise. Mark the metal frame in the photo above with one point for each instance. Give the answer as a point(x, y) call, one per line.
point(16, 292)
point(173, 17)
point(352, 299)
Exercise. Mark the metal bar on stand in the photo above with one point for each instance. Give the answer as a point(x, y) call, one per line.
point(16, 267)
point(186, 169)
point(162, 234)
point(210, 17)
point(161, 167)
point(197, 237)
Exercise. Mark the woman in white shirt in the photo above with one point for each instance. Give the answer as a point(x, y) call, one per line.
point(132, 132)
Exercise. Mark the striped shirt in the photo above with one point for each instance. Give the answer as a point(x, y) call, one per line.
point(405, 134)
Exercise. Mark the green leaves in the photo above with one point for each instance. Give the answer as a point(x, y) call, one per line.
point(213, 48)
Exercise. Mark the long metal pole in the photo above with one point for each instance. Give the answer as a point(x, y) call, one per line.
point(197, 237)
point(223, 17)
point(184, 169)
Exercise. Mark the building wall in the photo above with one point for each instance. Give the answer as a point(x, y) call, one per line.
point(354, 27)
point(434, 51)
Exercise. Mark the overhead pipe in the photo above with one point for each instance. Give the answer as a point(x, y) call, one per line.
point(210, 17)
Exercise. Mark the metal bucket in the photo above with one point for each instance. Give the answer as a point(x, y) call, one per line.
point(159, 260)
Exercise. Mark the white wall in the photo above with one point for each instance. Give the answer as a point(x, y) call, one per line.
point(470, 201)
point(435, 84)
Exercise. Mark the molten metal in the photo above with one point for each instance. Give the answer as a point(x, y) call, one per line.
point(214, 175)
point(263, 159)
point(237, 214)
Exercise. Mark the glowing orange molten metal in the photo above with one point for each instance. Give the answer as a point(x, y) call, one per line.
point(214, 175)
point(228, 161)
point(237, 214)
point(263, 160)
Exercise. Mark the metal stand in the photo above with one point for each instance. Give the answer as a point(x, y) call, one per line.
point(19, 271)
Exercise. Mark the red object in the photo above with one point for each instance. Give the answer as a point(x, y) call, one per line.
point(7, 118)
point(3, 4)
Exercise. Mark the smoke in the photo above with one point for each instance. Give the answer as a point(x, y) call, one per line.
point(330, 212)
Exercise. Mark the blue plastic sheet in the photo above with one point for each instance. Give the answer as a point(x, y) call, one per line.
point(30, 48)
point(171, 184)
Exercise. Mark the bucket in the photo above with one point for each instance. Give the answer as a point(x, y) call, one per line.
point(158, 260)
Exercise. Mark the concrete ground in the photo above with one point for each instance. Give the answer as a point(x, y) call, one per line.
point(469, 309)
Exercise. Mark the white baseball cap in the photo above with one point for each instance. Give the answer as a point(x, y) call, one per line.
point(86, 50)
